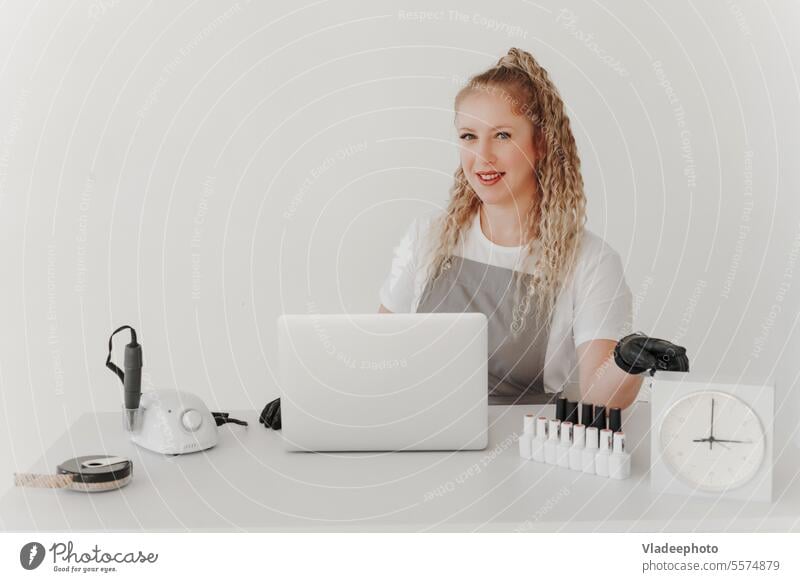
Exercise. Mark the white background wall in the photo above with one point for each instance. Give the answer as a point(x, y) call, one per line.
point(197, 168)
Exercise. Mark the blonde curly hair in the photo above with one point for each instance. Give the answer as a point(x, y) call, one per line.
point(558, 214)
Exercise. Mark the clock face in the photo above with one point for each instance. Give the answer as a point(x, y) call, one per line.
point(712, 441)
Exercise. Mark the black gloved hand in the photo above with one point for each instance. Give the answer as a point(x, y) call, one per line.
point(271, 415)
point(637, 353)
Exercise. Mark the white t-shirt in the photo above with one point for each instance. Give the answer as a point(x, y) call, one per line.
point(595, 302)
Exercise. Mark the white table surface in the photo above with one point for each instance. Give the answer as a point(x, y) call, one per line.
point(249, 483)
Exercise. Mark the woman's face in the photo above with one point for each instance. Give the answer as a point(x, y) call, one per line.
point(498, 154)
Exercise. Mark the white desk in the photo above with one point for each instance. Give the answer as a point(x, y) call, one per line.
point(248, 483)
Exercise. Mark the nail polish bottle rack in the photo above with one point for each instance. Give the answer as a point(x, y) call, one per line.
point(597, 448)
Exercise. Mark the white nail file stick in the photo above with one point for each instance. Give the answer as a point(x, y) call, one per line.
point(526, 437)
point(537, 444)
point(601, 458)
point(576, 450)
point(590, 450)
point(619, 463)
point(564, 445)
point(552, 441)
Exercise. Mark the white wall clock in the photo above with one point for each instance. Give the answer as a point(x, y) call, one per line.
point(711, 438)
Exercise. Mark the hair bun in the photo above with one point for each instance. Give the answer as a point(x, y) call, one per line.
point(513, 59)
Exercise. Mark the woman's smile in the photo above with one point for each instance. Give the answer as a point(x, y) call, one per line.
point(489, 178)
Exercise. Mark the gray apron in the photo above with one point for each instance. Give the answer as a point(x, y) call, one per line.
point(516, 365)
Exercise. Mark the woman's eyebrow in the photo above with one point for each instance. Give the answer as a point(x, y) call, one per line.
point(498, 127)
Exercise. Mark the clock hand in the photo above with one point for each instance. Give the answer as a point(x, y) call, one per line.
point(711, 441)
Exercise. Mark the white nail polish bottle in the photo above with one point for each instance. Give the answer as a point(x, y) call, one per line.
point(619, 462)
point(552, 441)
point(526, 437)
point(564, 445)
point(537, 444)
point(576, 450)
point(589, 451)
point(601, 458)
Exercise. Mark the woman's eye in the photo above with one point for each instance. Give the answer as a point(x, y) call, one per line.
point(466, 136)
point(504, 135)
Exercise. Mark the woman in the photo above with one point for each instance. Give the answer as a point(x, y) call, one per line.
point(512, 244)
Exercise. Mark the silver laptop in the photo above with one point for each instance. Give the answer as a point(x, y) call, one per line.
point(384, 382)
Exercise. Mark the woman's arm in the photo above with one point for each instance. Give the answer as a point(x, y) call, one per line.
point(601, 380)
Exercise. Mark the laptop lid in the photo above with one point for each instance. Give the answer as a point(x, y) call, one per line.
point(380, 382)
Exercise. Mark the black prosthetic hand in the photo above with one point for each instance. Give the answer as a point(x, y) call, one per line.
point(637, 353)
